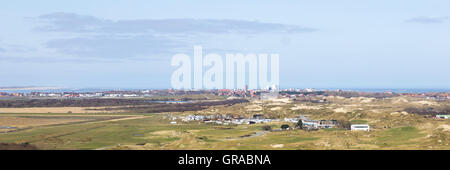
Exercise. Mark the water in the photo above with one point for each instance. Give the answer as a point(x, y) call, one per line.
point(84, 90)
point(396, 90)
point(7, 127)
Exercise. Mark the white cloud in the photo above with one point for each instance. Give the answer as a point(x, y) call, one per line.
point(94, 37)
point(428, 20)
point(68, 22)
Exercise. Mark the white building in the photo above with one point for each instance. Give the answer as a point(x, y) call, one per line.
point(269, 95)
point(443, 116)
point(130, 95)
point(362, 127)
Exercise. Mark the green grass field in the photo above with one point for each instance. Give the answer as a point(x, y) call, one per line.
point(399, 136)
point(154, 132)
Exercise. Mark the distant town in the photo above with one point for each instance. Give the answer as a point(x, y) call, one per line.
point(302, 94)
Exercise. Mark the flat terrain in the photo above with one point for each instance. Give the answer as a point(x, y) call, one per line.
point(56, 110)
point(391, 127)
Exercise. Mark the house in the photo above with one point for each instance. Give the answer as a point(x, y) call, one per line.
point(443, 116)
point(361, 127)
point(327, 124)
point(292, 120)
point(258, 116)
point(310, 124)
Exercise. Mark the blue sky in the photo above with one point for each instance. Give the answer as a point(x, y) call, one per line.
point(129, 44)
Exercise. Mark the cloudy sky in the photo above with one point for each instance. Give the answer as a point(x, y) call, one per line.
point(129, 44)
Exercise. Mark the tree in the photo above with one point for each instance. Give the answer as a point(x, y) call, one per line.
point(299, 124)
point(345, 124)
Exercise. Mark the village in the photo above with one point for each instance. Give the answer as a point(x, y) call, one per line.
point(300, 122)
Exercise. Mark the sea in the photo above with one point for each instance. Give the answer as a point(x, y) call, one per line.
point(394, 90)
point(81, 90)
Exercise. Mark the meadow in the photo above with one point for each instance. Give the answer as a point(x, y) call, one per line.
point(391, 128)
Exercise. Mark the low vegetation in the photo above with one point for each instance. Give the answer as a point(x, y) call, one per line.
point(14, 146)
point(393, 126)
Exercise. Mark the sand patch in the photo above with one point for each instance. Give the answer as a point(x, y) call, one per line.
point(299, 107)
point(445, 128)
point(375, 111)
point(399, 100)
point(280, 101)
point(342, 110)
point(254, 108)
point(165, 133)
point(426, 103)
point(277, 145)
point(275, 108)
point(399, 113)
point(367, 100)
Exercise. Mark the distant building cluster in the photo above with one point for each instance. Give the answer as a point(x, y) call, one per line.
point(103, 94)
point(442, 116)
point(228, 119)
point(318, 124)
point(265, 94)
point(225, 119)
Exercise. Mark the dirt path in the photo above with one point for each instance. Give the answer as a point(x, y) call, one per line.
point(131, 117)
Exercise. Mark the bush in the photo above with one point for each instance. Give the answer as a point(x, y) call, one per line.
point(345, 124)
point(266, 128)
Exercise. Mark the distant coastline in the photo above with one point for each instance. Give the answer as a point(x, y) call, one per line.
point(52, 89)
point(30, 88)
point(393, 90)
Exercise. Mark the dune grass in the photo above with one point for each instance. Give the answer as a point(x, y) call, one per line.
point(398, 136)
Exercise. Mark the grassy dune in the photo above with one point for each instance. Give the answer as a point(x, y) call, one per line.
point(391, 128)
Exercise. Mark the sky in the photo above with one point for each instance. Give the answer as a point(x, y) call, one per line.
point(129, 44)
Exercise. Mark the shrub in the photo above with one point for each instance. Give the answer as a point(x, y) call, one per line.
point(266, 128)
point(284, 127)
